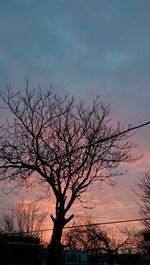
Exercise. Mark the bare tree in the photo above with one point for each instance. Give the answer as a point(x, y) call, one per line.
point(142, 246)
point(68, 145)
point(144, 195)
point(24, 219)
point(98, 240)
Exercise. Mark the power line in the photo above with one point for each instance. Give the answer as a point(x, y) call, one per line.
point(110, 222)
point(93, 224)
point(104, 223)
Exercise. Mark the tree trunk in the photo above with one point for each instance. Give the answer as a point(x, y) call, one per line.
point(55, 247)
point(111, 258)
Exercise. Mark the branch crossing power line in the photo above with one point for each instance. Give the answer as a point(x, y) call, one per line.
point(93, 224)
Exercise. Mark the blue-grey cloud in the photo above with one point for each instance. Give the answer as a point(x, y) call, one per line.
point(83, 48)
point(91, 42)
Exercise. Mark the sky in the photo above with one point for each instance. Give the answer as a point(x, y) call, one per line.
point(85, 48)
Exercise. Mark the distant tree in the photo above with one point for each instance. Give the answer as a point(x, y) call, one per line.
point(144, 195)
point(142, 246)
point(68, 145)
point(98, 240)
point(24, 219)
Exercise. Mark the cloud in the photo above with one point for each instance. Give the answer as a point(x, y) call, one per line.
point(85, 48)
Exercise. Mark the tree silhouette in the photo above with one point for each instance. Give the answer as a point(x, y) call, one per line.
point(61, 142)
point(98, 240)
point(24, 219)
point(144, 210)
point(144, 195)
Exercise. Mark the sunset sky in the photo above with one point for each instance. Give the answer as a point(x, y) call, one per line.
point(84, 48)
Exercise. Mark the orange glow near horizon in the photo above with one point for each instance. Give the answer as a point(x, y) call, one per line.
point(109, 204)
